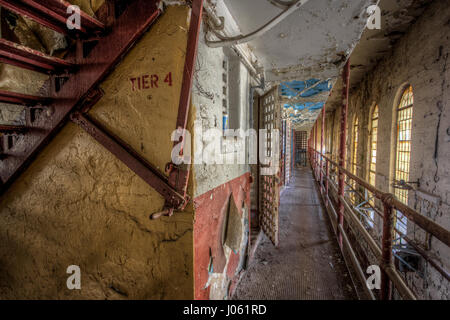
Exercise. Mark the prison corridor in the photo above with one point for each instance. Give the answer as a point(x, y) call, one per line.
point(307, 264)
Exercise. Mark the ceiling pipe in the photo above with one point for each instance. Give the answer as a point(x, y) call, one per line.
point(246, 38)
point(281, 4)
point(217, 24)
point(299, 93)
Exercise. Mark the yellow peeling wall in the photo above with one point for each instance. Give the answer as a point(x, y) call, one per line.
point(78, 205)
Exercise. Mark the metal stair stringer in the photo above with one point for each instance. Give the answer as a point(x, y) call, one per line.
point(91, 69)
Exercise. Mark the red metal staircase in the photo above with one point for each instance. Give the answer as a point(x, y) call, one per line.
point(74, 81)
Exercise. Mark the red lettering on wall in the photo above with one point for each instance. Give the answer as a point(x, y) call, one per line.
point(168, 79)
point(132, 84)
point(154, 80)
point(147, 81)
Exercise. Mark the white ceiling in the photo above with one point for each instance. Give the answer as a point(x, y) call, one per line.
point(313, 42)
point(316, 40)
point(397, 17)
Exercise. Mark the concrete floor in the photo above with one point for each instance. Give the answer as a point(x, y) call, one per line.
point(307, 265)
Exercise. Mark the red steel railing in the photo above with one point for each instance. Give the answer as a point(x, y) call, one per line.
point(324, 169)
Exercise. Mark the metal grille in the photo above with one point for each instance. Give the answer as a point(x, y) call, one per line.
point(373, 146)
point(269, 192)
point(403, 147)
point(301, 139)
point(301, 145)
point(403, 152)
point(354, 155)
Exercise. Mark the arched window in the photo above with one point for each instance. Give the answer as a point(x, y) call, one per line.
point(403, 145)
point(373, 146)
point(354, 159)
point(403, 152)
point(355, 145)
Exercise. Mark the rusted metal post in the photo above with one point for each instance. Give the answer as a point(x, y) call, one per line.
point(327, 174)
point(311, 146)
point(386, 248)
point(342, 147)
point(294, 150)
point(179, 175)
point(321, 148)
point(315, 147)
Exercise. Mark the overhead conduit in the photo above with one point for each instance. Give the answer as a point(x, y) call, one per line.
point(281, 4)
point(246, 38)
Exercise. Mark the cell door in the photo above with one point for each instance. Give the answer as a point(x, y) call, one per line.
point(269, 166)
point(301, 146)
point(283, 153)
point(287, 154)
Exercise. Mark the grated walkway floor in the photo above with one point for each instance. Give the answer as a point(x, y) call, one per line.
point(307, 265)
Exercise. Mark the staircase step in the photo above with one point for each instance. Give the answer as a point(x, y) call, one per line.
point(91, 69)
point(9, 129)
point(22, 99)
point(53, 14)
point(24, 57)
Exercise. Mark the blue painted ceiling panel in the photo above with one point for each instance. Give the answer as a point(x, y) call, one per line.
point(293, 88)
point(308, 106)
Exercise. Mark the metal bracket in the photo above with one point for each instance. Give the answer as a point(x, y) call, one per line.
point(131, 158)
point(138, 16)
point(53, 14)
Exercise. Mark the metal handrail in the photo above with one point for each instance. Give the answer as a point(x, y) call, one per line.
point(424, 222)
point(390, 202)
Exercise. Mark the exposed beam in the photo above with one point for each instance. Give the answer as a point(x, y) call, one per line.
point(342, 145)
point(24, 57)
point(8, 129)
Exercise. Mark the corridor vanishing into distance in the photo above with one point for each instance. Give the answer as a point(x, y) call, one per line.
point(307, 263)
point(224, 150)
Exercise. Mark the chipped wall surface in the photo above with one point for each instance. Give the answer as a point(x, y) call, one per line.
point(79, 205)
point(312, 42)
point(216, 265)
point(28, 33)
point(420, 58)
point(207, 97)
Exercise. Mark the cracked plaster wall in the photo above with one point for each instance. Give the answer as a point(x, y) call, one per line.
point(215, 182)
point(78, 204)
point(420, 58)
point(207, 98)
